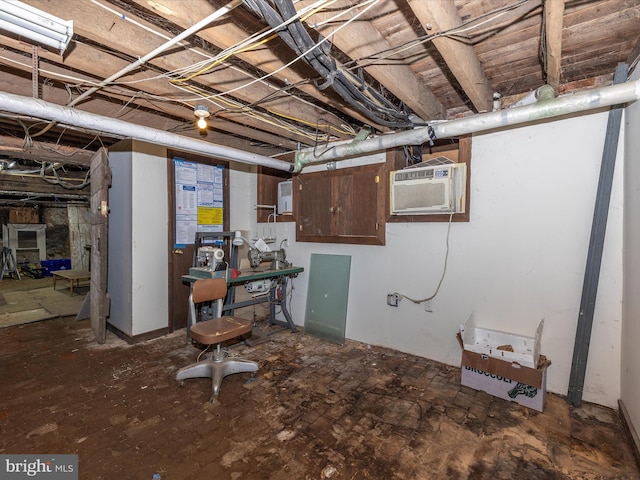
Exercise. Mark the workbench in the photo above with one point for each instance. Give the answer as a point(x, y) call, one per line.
point(281, 277)
point(74, 277)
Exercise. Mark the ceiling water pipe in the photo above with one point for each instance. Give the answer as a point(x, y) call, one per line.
point(40, 109)
point(544, 108)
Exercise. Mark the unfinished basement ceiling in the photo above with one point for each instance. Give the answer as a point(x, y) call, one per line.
point(382, 63)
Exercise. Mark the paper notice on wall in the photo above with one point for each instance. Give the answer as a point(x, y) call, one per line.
point(209, 216)
point(199, 199)
point(186, 226)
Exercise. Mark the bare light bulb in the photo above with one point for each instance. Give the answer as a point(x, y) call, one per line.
point(202, 112)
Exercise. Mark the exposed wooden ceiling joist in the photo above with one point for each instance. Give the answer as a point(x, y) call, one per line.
point(362, 40)
point(228, 35)
point(457, 51)
point(389, 46)
point(115, 28)
point(45, 151)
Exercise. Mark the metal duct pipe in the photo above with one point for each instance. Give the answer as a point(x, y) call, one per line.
point(33, 107)
point(544, 108)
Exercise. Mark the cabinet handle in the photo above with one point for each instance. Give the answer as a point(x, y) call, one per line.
point(332, 209)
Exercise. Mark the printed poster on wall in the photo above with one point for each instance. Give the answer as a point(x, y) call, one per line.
point(199, 200)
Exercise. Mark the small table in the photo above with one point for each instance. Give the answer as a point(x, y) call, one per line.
point(74, 277)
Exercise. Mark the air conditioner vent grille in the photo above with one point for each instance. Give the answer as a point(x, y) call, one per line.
point(414, 197)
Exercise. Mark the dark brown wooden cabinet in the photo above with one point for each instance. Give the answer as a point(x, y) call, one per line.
point(346, 205)
point(351, 205)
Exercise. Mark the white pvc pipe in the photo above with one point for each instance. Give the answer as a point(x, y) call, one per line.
point(34, 107)
point(567, 104)
point(155, 52)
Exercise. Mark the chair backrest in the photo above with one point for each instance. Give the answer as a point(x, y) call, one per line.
point(207, 290)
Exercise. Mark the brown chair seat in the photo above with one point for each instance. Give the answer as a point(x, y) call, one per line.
point(211, 332)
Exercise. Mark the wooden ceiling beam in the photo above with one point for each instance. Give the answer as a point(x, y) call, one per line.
point(32, 184)
point(113, 30)
point(101, 64)
point(553, 21)
point(460, 57)
point(226, 33)
point(44, 151)
point(632, 59)
point(361, 39)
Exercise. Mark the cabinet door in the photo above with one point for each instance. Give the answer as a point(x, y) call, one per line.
point(313, 211)
point(342, 206)
point(356, 203)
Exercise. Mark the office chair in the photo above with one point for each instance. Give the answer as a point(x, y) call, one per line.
point(215, 332)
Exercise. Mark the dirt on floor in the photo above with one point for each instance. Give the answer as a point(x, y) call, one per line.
point(314, 410)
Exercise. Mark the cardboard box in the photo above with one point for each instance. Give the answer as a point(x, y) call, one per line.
point(507, 380)
point(510, 347)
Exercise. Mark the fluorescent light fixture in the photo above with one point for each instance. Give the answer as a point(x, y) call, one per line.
point(30, 23)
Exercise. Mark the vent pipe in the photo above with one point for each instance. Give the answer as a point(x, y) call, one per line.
point(34, 107)
point(542, 109)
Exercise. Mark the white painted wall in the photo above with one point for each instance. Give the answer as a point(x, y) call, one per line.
point(138, 223)
point(630, 383)
point(521, 258)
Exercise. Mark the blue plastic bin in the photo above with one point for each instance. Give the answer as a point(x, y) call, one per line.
point(55, 264)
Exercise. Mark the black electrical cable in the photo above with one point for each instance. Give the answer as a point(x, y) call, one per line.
point(305, 43)
point(373, 105)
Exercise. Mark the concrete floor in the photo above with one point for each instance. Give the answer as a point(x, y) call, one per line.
point(314, 410)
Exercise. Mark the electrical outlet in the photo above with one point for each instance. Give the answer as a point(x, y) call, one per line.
point(392, 299)
point(428, 306)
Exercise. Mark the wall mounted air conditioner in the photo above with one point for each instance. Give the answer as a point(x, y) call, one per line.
point(429, 190)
